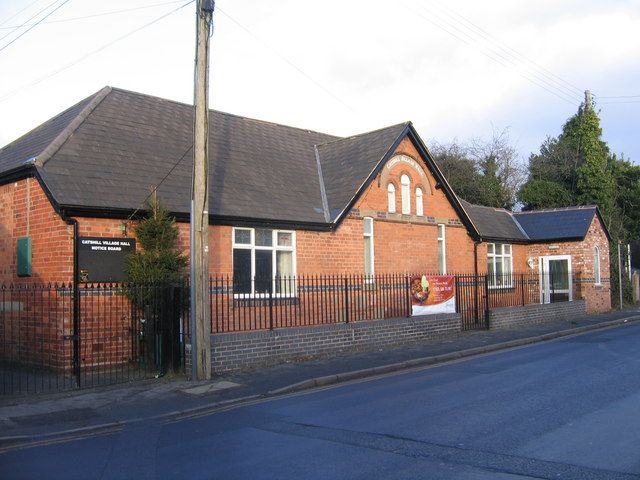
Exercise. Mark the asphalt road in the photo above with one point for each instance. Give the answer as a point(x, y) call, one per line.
point(567, 409)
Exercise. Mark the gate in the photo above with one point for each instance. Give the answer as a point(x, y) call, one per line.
point(119, 333)
point(472, 301)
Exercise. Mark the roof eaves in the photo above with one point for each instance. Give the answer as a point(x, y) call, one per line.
point(64, 135)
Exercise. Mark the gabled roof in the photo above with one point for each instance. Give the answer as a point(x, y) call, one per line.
point(103, 156)
point(570, 223)
point(347, 163)
point(557, 224)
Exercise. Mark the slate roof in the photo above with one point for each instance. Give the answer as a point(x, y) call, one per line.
point(494, 223)
point(103, 155)
point(557, 224)
point(347, 161)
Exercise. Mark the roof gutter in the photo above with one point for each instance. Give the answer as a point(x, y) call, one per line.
point(125, 213)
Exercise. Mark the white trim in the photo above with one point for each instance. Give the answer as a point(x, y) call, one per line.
point(274, 248)
point(543, 263)
point(504, 256)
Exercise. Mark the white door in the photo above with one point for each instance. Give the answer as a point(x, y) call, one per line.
point(555, 279)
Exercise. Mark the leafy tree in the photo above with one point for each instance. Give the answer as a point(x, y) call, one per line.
point(485, 172)
point(458, 168)
point(536, 194)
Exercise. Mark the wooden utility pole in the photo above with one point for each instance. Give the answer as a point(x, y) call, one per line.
point(199, 222)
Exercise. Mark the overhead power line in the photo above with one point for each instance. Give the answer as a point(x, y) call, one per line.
point(18, 13)
point(93, 52)
point(96, 15)
point(17, 27)
point(619, 103)
point(35, 24)
point(618, 96)
point(559, 81)
point(286, 60)
point(497, 56)
point(157, 186)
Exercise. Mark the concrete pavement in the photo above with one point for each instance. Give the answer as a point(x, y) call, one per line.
point(29, 420)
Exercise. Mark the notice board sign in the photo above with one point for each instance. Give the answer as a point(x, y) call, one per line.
point(103, 259)
point(432, 294)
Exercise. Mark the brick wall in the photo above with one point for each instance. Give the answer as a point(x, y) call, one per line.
point(237, 351)
point(25, 210)
point(514, 317)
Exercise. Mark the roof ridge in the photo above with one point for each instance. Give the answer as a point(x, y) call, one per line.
point(497, 209)
point(123, 90)
point(557, 209)
point(64, 135)
point(351, 137)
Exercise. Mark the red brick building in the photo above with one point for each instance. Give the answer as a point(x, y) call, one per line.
point(284, 201)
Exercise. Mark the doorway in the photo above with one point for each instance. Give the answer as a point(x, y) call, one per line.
point(555, 279)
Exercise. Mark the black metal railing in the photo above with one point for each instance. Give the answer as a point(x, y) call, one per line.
point(57, 337)
point(306, 300)
point(111, 334)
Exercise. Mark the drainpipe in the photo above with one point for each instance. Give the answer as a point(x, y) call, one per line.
point(76, 299)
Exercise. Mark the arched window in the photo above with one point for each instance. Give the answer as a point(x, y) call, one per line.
point(405, 193)
point(596, 265)
point(419, 205)
point(391, 198)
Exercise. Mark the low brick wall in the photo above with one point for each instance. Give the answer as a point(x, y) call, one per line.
point(514, 317)
point(239, 351)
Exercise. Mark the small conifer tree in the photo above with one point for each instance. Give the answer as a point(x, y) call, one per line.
point(158, 261)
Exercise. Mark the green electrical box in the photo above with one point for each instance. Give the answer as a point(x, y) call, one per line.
point(24, 257)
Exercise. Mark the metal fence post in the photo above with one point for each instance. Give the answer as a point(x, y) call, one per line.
point(271, 305)
point(407, 294)
point(346, 299)
point(522, 287)
point(486, 305)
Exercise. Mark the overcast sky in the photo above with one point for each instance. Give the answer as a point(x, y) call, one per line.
point(456, 68)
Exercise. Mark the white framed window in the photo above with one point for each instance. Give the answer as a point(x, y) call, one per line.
point(596, 265)
point(405, 193)
point(391, 198)
point(442, 250)
point(500, 265)
point(369, 255)
point(264, 262)
point(419, 204)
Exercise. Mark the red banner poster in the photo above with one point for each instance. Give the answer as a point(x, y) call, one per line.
point(432, 294)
